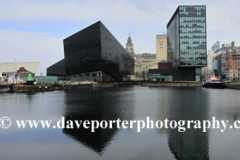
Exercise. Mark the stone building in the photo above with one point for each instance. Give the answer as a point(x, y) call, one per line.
point(161, 48)
point(22, 72)
point(224, 62)
point(146, 61)
point(129, 45)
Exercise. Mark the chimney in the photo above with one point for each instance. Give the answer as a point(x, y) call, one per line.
point(233, 44)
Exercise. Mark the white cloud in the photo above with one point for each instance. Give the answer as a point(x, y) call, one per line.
point(73, 10)
point(142, 18)
point(27, 46)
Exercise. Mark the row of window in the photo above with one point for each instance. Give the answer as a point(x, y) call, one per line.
point(187, 13)
point(192, 46)
point(192, 14)
point(194, 53)
point(192, 19)
point(203, 43)
point(192, 40)
point(191, 43)
point(192, 30)
point(192, 25)
point(192, 8)
point(192, 35)
point(193, 64)
point(193, 57)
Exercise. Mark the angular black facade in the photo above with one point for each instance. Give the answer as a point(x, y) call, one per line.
point(95, 48)
point(178, 74)
point(58, 69)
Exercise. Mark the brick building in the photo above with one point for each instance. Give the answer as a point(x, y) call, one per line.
point(22, 72)
point(232, 63)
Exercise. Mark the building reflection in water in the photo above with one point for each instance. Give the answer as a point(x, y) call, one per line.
point(187, 104)
point(232, 114)
point(30, 98)
point(95, 105)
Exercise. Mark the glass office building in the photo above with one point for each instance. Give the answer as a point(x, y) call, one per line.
point(186, 32)
point(216, 46)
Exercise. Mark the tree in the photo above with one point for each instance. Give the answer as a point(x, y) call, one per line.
point(144, 74)
point(137, 74)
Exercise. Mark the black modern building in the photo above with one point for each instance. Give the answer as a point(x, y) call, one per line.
point(218, 70)
point(171, 74)
point(58, 69)
point(100, 106)
point(186, 37)
point(95, 54)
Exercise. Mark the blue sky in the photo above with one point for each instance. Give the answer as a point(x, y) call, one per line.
point(34, 30)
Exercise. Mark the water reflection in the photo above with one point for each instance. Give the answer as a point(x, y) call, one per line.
point(132, 103)
point(96, 105)
point(191, 104)
point(233, 114)
point(29, 100)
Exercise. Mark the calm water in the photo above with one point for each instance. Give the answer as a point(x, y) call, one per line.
point(126, 103)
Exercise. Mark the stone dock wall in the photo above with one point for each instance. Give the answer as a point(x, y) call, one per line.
point(232, 85)
point(173, 84)
point(29, 88)
point(44, 88)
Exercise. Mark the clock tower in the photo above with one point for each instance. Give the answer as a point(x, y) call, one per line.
point(129, 45)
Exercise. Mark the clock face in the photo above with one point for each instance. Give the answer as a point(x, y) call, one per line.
point(129, 47)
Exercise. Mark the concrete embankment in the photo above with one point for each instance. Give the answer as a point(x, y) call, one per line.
point(173, 84)
point(76, 86)
point(34, 88)
point(44, 88)
point(92, 85)
point(115, 84)
point(97, 85)
point(232, 85)
point(5, 89)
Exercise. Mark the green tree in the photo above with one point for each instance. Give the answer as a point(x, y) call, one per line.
point(137, 74)
point(144, 74)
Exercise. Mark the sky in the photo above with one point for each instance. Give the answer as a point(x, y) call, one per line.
point(34, 30)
